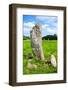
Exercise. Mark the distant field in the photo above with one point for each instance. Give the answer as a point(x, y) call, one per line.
point(49, 47)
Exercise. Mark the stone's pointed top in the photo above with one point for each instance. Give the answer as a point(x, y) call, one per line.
point(37, 27)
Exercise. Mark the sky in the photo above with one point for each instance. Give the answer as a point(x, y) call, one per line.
point(48, 24)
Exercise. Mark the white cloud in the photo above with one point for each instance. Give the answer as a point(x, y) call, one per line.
point(49, 31)
point(29, 24)
point(49, 21)
point(46, 29)
point(48, 18)
point(44, 26)
point(52, 31)
point(27, 27)
point(49, 27)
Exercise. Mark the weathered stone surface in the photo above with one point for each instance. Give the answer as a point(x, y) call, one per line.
point(36, 42)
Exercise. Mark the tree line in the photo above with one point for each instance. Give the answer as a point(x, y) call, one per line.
point(50, 37)
point(47, 37)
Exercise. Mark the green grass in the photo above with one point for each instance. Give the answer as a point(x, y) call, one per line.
point(49, 47)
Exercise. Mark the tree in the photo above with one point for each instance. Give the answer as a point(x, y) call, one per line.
point(50, 37)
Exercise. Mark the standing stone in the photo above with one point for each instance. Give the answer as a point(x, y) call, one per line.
point(36, 42)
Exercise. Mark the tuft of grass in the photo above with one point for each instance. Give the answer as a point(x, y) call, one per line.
point(49, 47)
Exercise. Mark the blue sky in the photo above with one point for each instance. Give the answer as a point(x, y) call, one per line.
point(48, 24)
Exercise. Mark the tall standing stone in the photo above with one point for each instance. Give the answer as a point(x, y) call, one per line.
point(36, 42)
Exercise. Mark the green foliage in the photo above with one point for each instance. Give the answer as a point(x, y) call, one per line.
point(49, 47)
point(50, 37)
point(26, 37)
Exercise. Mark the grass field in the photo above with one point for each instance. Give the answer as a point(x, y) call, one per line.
point(49, 48)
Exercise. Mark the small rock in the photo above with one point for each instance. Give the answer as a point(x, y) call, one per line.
point(35, 66)
point(30, 60)
point(31, 66)
point(53, 61)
